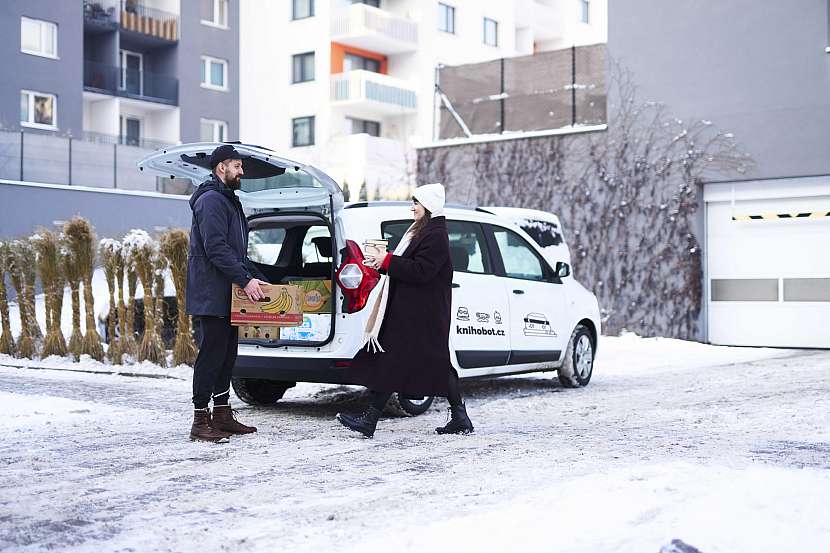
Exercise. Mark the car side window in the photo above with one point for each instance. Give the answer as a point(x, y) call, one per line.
point(393, 231)
point(519, 258)
point(467, 247)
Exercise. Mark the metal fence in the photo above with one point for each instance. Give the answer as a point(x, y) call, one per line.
point(548, 90)
point(103, 161)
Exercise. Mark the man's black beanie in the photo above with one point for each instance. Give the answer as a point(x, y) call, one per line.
point(223, 153)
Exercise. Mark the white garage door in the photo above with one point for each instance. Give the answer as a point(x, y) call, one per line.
point(768, 263)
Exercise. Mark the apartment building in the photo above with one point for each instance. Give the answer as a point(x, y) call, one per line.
point(349, 85)
point(110, 74)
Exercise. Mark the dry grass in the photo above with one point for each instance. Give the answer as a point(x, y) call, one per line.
point(46, 247)
point(20, 249)
point(7, 344)
point(81, 236)
point(109, 251)
point(174, 246)
point(142, 251)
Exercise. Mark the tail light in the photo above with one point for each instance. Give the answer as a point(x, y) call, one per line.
point(355, 279)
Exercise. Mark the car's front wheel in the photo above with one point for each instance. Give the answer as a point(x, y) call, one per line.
point(256, 391)
point(578, 366)
point(408, 407)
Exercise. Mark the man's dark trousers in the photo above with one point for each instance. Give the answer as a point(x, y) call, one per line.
point(214, 364)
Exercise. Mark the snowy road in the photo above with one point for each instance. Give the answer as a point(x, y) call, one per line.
point(727, 449)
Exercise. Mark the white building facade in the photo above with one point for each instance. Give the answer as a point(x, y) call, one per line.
point(348, 86)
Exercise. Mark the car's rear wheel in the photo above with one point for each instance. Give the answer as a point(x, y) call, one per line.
point(255, 391)
point(578, 366)
point(408, 407)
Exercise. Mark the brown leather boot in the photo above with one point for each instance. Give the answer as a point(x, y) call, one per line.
point(224, 419)
point(202, 430)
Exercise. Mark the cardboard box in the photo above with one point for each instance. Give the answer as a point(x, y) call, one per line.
point(316, 295)
point(256, 332)
point(315, 328)
point(282, 306)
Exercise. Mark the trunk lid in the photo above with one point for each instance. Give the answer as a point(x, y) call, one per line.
point(270, 182)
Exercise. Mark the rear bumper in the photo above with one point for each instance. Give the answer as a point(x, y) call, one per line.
point(291, 369)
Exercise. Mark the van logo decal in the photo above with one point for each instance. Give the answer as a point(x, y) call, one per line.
point(537, 324)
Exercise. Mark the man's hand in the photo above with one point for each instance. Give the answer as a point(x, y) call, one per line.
point(253, 291)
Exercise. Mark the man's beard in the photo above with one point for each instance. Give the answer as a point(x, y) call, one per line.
point(234, 183)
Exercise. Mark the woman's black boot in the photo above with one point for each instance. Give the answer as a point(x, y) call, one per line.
point(459, 421)
point(365, 423)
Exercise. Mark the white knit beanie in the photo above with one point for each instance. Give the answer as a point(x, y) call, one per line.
point(431, 196)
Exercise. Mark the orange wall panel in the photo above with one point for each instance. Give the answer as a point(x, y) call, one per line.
point(339, 51)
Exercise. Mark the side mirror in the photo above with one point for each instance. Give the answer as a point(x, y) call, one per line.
point(562, 269)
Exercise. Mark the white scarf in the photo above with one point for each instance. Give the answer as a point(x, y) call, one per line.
point(373, 324)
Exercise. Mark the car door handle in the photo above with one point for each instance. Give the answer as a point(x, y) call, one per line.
point(456, 285)
point(518, 291)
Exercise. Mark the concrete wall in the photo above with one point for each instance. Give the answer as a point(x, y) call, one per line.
point(759, 70)
point(62, 76)
point(26, 206)
point(197, 40)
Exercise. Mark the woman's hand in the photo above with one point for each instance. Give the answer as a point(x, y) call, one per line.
point(374, 260)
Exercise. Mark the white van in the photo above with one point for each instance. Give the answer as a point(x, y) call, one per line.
point(301, 230)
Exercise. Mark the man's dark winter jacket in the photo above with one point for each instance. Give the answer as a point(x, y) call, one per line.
point(218, 250)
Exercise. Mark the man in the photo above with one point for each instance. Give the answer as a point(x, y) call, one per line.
point(217, 258)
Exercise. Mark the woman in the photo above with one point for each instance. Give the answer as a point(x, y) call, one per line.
point(407, 334)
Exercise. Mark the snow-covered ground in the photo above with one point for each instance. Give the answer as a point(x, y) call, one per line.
point(727, 449)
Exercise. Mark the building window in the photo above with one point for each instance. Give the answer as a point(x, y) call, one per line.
point(303, 131)
point(217, 12)
point(446, 18)
point(302, 9)
point(39, 38)
point(362, 126)
point(585, 11)
point(212, 130)
point(303, 67)
point(38, 109)
point(214, 73)
point(130, 131)
point(351, 62)
point(491, 32)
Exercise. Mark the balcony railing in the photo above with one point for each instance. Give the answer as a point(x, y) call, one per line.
point(124, 140)
point(374, 29)
point(130, 83)
point(138, 18)
point(389, 95)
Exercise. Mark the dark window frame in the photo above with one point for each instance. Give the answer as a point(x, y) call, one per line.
point(548, 274)
point(363, 123)
point(487, 258)
point(446, 23)
point(495, 29)
point(294, 122)
point(363, 62)
point(303, 77)
point(294, 16)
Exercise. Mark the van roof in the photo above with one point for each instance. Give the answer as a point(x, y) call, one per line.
point(398, 203)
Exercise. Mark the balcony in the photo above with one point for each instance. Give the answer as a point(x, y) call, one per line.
point(130, 83)
point(100, 15)
point(545, 17)
point(370, 95)
point(149, 25)
point(124, 140)
point(373, 29)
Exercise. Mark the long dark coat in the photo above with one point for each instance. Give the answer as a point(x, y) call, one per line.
point(415, 330)
point(218, 248)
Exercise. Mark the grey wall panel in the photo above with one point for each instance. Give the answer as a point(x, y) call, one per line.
point(759, 70)
point(45, 158)
point(24, 208)
point(92, 164)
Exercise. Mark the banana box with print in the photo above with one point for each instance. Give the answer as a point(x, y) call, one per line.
point(281, 306)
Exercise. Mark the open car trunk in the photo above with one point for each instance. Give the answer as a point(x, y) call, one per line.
point(296, 230)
